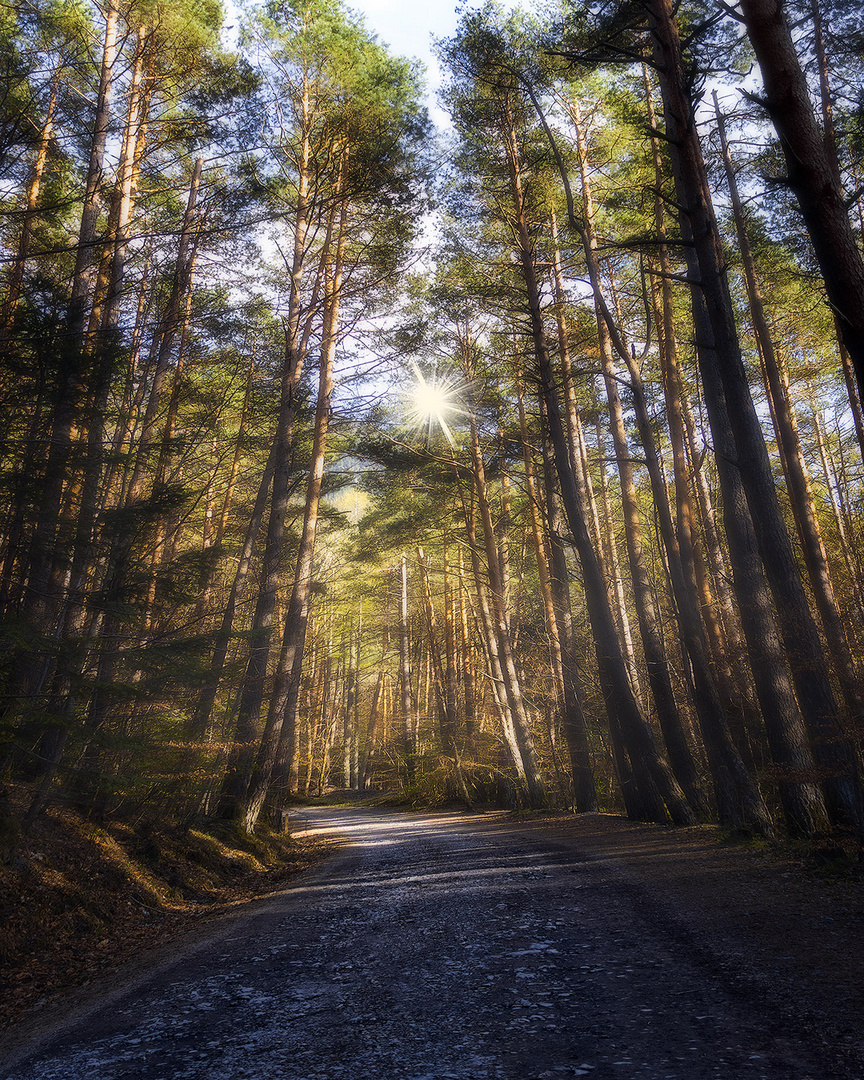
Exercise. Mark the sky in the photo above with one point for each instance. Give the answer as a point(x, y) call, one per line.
point(408, 28)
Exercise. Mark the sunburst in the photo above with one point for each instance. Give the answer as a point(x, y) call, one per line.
point(432, 402)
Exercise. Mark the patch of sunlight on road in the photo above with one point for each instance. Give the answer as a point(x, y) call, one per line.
point(316, 823)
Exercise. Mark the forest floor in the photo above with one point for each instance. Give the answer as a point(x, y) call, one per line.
point(78, 899)
point(774, 930)
point(547, 946)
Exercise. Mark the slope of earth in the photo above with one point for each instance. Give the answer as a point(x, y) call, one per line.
point(78, 899)
point(455, 947)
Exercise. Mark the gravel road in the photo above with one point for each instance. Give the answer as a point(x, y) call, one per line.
point(429, 947)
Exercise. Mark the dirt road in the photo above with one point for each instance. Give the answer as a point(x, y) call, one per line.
point(432, 947)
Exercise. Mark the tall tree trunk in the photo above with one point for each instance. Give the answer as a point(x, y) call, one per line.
point(576, 727)
point(659, 676)
point(810, 172)
point(122, 544)
point(794, 767)
point(251, 696)
point(349, 719)
point(572, 418)
point(512, 687)
point(611, 560)
point(406, 699)
point(200, 719)
point(829, 475)
point(829, 137)
point(90, 211)
point(16, 276)
point(444, 676)
point(212, 540)
point(166, 337)
point(102, 350)
point(466, 659)
point(658, 790)
point(377, 723)
point(50, 542)
point(797, 479)
point(278, 736)
point(490, 639)
point(562, 646)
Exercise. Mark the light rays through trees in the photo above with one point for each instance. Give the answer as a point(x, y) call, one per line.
point(433, 403)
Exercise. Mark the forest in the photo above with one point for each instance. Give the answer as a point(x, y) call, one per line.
point(514, 464)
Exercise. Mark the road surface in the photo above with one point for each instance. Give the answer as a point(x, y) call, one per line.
point(429, 947)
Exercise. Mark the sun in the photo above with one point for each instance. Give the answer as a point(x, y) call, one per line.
point(432, 402)
point(431, 399)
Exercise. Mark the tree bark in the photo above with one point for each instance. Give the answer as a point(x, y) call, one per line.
point(278, 735)
point(490, 640)
point(444, 677)
point(16, 276)
point(406, 701)
point(50, 543)
point(252, 688)
point(810, 174)
point(562, 645)
point(513, 690)
point(657, 663)
point(797, 479)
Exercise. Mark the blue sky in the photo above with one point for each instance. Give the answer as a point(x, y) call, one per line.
point(408, 28)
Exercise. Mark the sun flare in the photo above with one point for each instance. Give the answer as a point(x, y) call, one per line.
point(431, 399)
point(432, 402)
